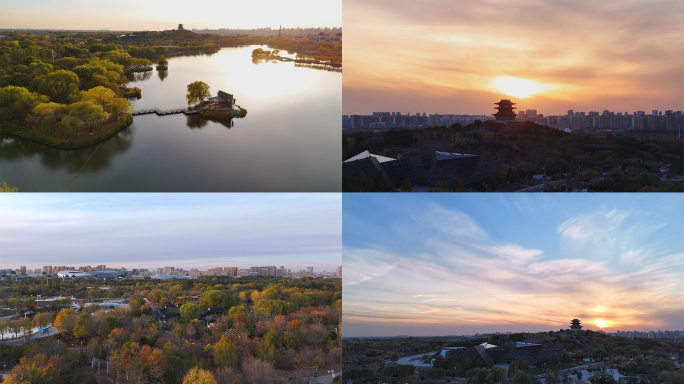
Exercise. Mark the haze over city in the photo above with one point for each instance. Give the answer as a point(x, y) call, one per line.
point(425, 265)
point(443, 56)
point(182, 230)
point(161, 15)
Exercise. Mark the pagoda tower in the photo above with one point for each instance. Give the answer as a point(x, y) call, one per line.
point(505, 113)
point(575, 325)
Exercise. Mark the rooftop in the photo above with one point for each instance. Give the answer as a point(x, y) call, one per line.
point(365, 154)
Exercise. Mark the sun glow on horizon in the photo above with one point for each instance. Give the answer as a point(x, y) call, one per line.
point(517, 87)
point(602, 323)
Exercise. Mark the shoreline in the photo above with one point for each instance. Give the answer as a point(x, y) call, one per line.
point(86, 143)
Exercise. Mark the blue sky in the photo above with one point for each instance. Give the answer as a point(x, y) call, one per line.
point(160, 15)
point(182, 230)
point(424, 264)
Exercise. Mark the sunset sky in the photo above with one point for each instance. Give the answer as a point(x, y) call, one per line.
point(435, 265)
point(456, 56)
point(160, 15)
point(192, 230)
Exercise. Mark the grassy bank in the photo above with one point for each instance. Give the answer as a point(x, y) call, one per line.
point(13, 129)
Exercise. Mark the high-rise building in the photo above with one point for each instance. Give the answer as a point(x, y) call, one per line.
point(22, 270)
point(571, 113)
point(339, 271)
point(310, 270)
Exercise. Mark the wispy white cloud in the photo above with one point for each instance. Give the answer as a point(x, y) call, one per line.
point(463, 277)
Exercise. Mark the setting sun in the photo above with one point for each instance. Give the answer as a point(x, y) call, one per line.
point(516, 87)
point(601, 323)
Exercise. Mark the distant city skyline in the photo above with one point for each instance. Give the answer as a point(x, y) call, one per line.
point(33, 270)
point(458, 56)
point(427, 264)
point(153, 15)
point(183, 230)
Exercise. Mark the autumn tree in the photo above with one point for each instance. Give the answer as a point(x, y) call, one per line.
point(100, 95)
point(162, 62)
point(197, 92)
point(38, 369)
point(198, 376)
point(119, 107)
point(225, 353)
point(511, 368)
point(47, 116)
point(65, 321)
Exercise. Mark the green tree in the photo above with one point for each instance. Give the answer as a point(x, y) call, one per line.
point(522, 365)
point(496, 375)
point(162, 62)
point(15, 102)
point(56, 85)
point(406, 185)
point(29, 304)
point(214, 298)
point(189, 311)
point(88, 113)
point(197, 92)
point(225, 353)
point(555, 165)
point(521, 377)
point(84, 326)
point(457, 185)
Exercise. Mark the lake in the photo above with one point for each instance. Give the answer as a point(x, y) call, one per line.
point(289, 140)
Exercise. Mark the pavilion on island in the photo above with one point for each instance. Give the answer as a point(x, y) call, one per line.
point(221, 100)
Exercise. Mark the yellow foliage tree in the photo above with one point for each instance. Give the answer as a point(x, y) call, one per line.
point(199, 376)
point(65, 321)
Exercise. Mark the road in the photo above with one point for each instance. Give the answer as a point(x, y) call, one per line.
point(19, 341)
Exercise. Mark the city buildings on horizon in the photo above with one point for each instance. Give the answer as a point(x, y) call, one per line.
point(23, 272)
point(593, 120)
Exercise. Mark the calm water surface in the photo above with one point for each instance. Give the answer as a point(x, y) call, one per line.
point(289, 140)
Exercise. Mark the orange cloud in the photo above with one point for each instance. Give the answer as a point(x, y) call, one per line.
point(443, 55)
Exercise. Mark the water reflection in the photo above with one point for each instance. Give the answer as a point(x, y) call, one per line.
point(138, 76)
point(318, 67)
point(194, 121)
point(163, 74)
point(15, 148)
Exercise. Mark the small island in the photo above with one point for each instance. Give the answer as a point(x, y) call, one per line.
point(260, 54)
point(220, 107)
point(162, 64)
